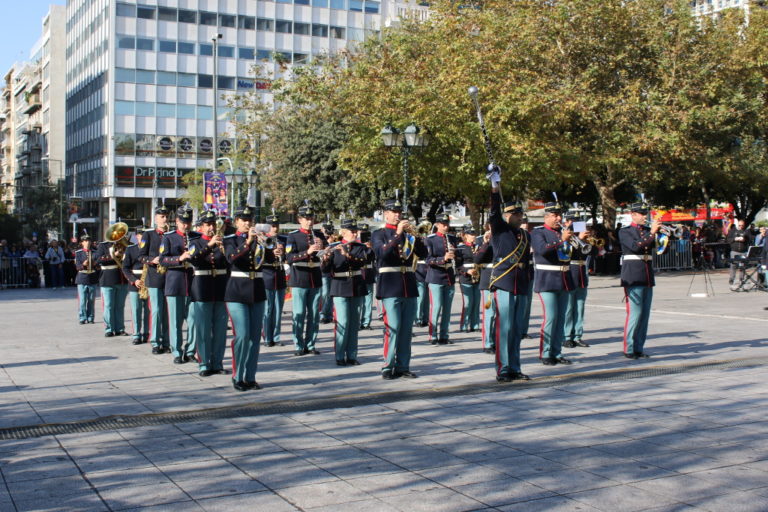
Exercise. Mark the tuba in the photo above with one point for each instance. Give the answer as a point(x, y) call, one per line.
point(116, 234)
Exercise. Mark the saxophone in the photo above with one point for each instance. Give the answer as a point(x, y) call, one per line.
point(143, 290)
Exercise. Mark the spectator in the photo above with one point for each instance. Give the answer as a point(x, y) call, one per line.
point(32, 264)
point(739, 238)
point(760, 237)
point(55, 258)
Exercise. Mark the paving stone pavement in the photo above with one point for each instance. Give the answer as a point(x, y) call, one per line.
point(688, 441)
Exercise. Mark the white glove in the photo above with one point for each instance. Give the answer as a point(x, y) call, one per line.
point(494, 175)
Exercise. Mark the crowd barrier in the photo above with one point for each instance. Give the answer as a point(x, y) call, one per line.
point(678, 256)
point(20, 272)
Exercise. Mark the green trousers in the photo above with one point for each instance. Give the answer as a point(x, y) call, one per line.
point(526, 322)
point(273, 314)
point(554, 305)
point(113, 298)
point(178, 308)
point(470, 307)
point(87, 295)
point(639, 299)
point(489, 320)
point(440, 302)
point(347, 324)
point(574, 314)
point(422, 305)
point(511, 311)
point(158, 318)
point(210, 325)
point(398, 329)
point(246, 326)
point(366, 310)
point(306, 317)
point(140, 314)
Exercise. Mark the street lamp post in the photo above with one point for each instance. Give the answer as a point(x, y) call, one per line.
point(216, 98)
point(413, 137)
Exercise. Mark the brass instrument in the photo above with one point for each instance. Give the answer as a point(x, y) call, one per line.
point(423, 228)
point(143, 290)
point(580, 245)
point(596, 242)
point(160, 268)
point(116, 234)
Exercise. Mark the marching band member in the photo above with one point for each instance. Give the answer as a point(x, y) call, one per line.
point(301, 249)
point(175, 256)
point(508, 281)
point(484, 258)
point(86, 280)
point(637, 244)
point(442, 262)
point(274, 282)
point(113, 284)
point(469, 277)
point(422, 305)
point(149, 254)
point(326, 303)
point(577, 297)
point(208, 309)
point(133, 269)
point(369, 277)
point(344, 261)
point(526, 323)
point(396, 251)
point(552, 256)
point(245, 298)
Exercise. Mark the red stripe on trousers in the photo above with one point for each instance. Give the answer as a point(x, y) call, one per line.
point(543, 321)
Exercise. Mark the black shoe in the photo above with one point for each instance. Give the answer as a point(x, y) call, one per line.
point(252, 385)
point(387, 375)
point(549, 361)
point(325, 321)
point(562, 360)
point(433, 342)
point(178, 360)
point(205, 373)
point(305, 351)
point(630, 356)
point(82, 322)
point(121, 333)
point(188, 357)
point(157, 350)
point(406, 374)
point(472, 330)
point(581, 343)
point(341, 362)
point(489, 351)
point(353, 362)
point(520, 376)
point(299, 353)
point(503, 378)
point(314, 352)
point(569, 344)
point(239, 385)
point(90, 321)
point(219, 372)
point(525, 336)
point(641, 355)
point(443, 341)
point(270, 343)
point(137, 341)
point(108, 334)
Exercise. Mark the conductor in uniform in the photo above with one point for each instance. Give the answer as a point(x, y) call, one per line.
point(637, 245)
point(149, 254)
point(396, 253)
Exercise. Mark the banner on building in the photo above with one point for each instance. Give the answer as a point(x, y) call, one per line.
point(215, 190)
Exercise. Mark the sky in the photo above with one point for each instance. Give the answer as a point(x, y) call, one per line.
point(20, 28)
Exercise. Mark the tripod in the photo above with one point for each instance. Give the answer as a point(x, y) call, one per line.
point(750, 269)
point(709, 288)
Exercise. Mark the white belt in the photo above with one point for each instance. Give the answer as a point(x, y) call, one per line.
point(109, 267)
point(486, 265)
point(211, 272)
point(421, 262)
point(402, 270)
point(249, 275)
point(369, 266)
point(137, 272)
point(309, 264)
point(469, 265)
point(86, 271)
point(579, 263)
point(558, 268)
point(351, 273)
point(642, 257)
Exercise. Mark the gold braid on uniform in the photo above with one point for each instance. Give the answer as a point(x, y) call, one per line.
point(512, 267)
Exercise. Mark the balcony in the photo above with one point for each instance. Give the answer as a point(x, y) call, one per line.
point(33, 102)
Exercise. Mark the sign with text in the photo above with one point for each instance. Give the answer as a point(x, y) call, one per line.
point(215, 192)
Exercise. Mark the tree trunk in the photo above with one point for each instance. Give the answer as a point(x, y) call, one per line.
point(607, 202)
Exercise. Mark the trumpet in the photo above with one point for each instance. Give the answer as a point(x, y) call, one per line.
point(673, 230)
point(581, 245)
point(423, 228)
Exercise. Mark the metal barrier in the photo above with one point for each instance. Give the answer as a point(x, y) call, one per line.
point(678, 256)
point(20, 272)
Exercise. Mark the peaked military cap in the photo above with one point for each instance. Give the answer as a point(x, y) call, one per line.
point(208, 216)
point(85, 237)
point(349, 224)
point(443, 218)
point(161, 210)
point(512, 207)
point(273, 219)
point(184, 214)
point(328, 226)
point(393, 205)
point(469, 229)
point(363, 226)
point(639, 208)
point(553, 207)
point(246, 212)
point(306, 211)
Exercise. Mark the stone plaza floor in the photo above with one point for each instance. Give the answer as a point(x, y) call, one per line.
point(685, 430)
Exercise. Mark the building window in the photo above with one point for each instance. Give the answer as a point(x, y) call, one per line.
point(227, 20)
point(186, 16)
point(208, 18)
point(226, 82)
point(186, 80)
point(168, 46)
point(265, 25)
point(125, 75)
point(124, 108)
point(186, 48)
point(205, 113)
point(185, 111)
point(246, 53)
point(145, 44)
point(246, 22)
point(145, 77)
point(283, 26)
point(320, 3)
point(372, 7)
point(206, 49)
point(356, 5)
point(166, 110)
point(126, 10)
point(338, 4)
point(144, 108)
point(226, 51)
point(265, 55)
point(126, 42)
point(355, 34)
point(300, 58)
point(166, 78)
point(301, 2)
point(337, 32)
point(320, 30)
point(301, 29)
point(166, 14)
point(205, 81)
point(147, 13)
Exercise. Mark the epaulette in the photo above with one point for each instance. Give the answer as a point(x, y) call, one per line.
point(294, 231)
point(79, 250)
point(149, 229)
point(539, 227)
point(430, 236)
point(132, 245)
point(230, 236)
point(462, 244)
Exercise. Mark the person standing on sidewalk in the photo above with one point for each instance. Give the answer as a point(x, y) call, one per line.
point(739, 238)
point(149, 254)
point(55, 258)
point(133, 270)
point(442, 262)
point(86, 280)
point(274, 282)
point(114, 286)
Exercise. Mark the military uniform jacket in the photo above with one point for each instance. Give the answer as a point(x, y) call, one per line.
point(273, 269)
point(132, 267)
point(395, 273)
point(440, 271)
point(111, 274)
point(421, 268)
point(637, 246)
point(369, 270)
point(81, 261)
point(552, 274)
point(149, 249)
point(344, 266)
point(211, 271)
point(484, 256)
point(509, 272)
point(465, 254)
point(246, 281)
point(178, 279)
point(305, 268)
point(579, 273)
